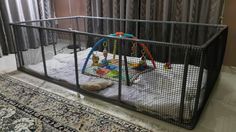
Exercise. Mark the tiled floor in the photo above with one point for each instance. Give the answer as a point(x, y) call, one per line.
point(218, 116)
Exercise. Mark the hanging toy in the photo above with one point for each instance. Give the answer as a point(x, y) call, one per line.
point(134, 49)
point(114, 60)
point(95, 60)
point(105, 54)
point(167, 65)
point(142, 65)
point(134, 53)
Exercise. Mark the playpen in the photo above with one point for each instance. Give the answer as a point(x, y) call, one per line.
point(160, 68)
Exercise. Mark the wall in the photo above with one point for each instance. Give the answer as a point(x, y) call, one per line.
point(65, 8)
point(230, 20)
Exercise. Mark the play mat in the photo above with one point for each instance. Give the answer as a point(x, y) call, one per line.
point(108, 68)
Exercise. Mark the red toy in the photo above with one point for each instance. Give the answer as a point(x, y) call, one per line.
point(102, 71)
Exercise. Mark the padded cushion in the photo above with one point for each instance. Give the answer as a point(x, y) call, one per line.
point(96, 85)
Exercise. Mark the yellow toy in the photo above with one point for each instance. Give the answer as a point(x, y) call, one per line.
point(134, 65)
point(167, 65)
point(95, 60)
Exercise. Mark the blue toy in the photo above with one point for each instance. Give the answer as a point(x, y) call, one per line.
point(111, 67)
point(104, 62)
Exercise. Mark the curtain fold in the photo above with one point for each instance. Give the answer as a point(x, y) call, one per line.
point(2, 39)
point(197, 11)
point(22, 10)
point(207, 11)
point(5, 42)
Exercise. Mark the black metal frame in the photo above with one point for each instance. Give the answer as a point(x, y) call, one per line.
point(215, 46)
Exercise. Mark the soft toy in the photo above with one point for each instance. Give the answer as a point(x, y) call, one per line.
point(95, 60)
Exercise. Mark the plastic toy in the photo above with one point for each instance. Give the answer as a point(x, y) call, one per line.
point(105, 53)
point(95, 60)
point(113, 74)
point(111, 67)
point(167, 65)
point(104, 62)
point(102, 71)
point(142, 64)
point(134, 65)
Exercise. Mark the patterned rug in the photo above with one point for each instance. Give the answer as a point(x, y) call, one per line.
point(24, 107)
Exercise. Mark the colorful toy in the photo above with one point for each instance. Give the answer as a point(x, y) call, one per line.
point(113, 74)
point(134, 65)
point(102, 71)
point(110, 68)
point(95, 60)
point(167, 65)
point(104, 62)
point(142, 64)
point(105, 53)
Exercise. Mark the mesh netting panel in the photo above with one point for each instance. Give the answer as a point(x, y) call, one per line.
point(164, 69)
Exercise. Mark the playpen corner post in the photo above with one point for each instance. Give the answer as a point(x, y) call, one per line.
point(43, 52)
point(184, 82)
point(16, 51)
point(199, 84)
point(223, 42)
point(76, 60)
point(20, 55)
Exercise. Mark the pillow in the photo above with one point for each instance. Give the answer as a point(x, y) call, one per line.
point(96, 85)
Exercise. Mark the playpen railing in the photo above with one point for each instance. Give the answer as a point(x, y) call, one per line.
point(208, 55)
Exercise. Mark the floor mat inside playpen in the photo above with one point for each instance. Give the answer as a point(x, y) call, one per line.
point(113, 74)
point(156, 91)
